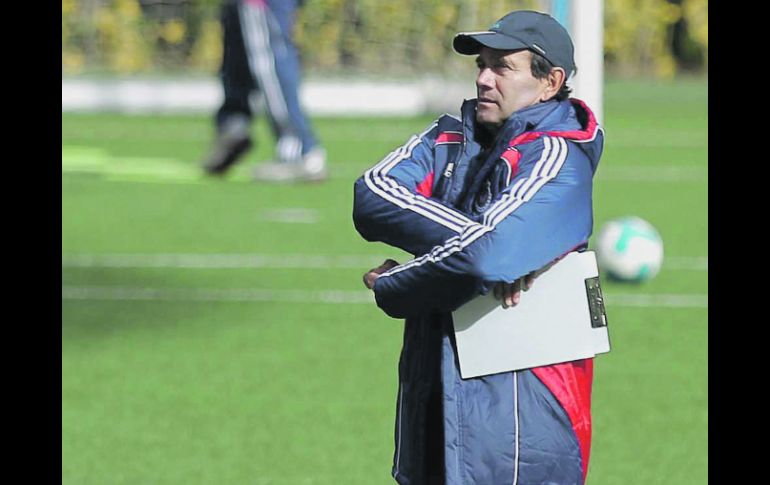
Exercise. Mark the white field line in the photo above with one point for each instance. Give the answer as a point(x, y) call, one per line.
point(111, 293)
point(221, 261)
point(660, 300)
point(640, 173)
point(210, 294)
point(698, 263)
point(297, 215)
point(277, 261)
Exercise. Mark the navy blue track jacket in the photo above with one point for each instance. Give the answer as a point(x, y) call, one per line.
point(474, 211)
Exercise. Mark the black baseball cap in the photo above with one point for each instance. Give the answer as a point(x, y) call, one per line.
point(523, 29)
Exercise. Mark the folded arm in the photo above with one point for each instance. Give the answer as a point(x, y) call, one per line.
point(389, 202)
point(544, 213)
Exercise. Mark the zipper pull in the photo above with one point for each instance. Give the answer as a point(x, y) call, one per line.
point(449, 168)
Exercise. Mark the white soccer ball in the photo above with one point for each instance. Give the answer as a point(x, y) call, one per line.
point(629, 249)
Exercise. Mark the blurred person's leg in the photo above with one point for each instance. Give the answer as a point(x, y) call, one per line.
point(233, 118)
point(274, 60)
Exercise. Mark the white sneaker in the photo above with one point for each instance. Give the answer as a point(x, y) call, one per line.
point(311, 169)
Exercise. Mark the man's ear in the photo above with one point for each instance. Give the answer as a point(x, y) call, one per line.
point(556, 78)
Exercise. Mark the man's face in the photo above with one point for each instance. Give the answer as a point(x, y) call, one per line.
point(505, 84)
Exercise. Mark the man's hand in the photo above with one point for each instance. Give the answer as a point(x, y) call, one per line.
point(371, 276)
point(510, 293)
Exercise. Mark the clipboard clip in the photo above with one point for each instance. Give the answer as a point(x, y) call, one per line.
point(595, 303)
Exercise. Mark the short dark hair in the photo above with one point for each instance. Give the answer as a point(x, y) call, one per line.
point(541, 67)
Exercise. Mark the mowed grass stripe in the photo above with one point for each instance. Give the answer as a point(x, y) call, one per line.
point(123, 293)
point(81, 159)
point(277, 261)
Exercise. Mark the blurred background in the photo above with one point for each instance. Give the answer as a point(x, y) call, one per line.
point(216, 331)
point(365, 38)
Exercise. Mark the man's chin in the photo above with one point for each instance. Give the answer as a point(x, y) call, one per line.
point(487, 120)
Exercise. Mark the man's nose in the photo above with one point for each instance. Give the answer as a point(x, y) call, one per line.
point(485, 78)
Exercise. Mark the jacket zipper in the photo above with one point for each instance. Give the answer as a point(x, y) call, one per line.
point(516, 424)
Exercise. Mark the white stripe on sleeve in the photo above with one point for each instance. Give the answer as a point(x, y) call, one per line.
point(380, 183)
point(546, 168)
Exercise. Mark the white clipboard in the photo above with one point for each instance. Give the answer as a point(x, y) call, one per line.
point(560, 319)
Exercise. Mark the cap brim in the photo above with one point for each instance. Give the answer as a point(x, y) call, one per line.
point(470, 43)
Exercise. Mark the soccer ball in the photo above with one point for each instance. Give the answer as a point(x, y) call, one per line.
point(629, 249)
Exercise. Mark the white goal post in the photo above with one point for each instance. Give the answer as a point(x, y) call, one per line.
point(584, 19)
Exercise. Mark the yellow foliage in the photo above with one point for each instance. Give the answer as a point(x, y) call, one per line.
point(68, 7)
point(635, 35)
point(119, 29)
point(106, 22)
point(72, 62)
point(369, 35)
point(207, 51)
point(665, 68)
point(173, 31)
point(669, 13)
point(128, 9)
point(697, 14)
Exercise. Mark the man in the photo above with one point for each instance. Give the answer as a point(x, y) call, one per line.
point(485, 202)
point(260, 57)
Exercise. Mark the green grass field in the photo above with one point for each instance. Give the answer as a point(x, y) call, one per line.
point(179, 369)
